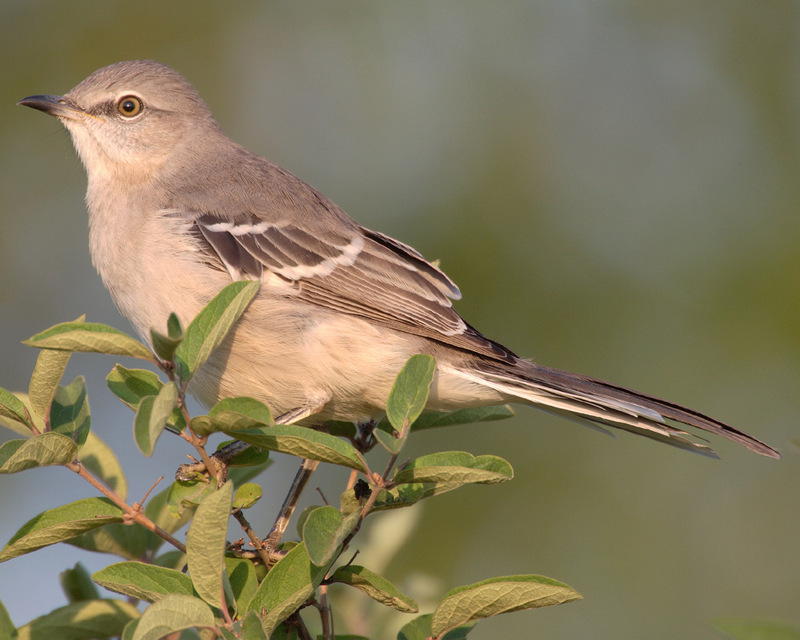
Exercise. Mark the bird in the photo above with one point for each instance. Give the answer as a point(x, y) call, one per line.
point(177, 210)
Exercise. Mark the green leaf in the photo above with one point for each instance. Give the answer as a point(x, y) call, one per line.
point(434, 419)
point(77, 585)
point(90, 337)
point(61, 523)
point(251, 628)
point(123, 540)
point(420, 629)
point(212, 324)
point(454, 468)
point(304, 443)
point(495, 596)
point(87, 620)
point(324, 531)
point(7, 629)
point(133, 542)
point(98, 458)
point(739, 629)
point(132, 385)
point(246, 495)
point(13, 408)
point(243, 581)
point(287, 586)
point(183, 496)
point(160, 509)
point(165, 345)
point(47, 373)
point(205, 544)
point(173, 613)
point(376, 587)
point(172, 559)
point(403, 495)
point(152, 416)
point(44, 450)
point(143, 581)
point(407, 399)
point(69, 411)
point(129, 630)
point(233, 414)
point(248, 457)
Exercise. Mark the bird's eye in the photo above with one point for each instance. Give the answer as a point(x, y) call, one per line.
point(129, 106)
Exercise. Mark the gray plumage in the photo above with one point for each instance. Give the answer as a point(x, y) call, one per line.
point(177, 210)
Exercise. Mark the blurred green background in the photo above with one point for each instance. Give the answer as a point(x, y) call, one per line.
point(613, 185)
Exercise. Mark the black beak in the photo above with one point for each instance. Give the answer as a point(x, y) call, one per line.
point(52, 105)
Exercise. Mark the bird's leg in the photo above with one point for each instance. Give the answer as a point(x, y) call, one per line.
point(221, 458)
point(307, 468)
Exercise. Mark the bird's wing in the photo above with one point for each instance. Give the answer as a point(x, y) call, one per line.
point(348, 269)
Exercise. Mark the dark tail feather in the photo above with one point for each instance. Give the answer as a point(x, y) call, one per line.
point(602, 403)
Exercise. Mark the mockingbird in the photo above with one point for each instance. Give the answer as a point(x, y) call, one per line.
point(177, 210)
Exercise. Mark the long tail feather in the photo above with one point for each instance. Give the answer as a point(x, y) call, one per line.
point(597, 402)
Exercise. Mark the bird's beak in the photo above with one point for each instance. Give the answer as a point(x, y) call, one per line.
point(53, 105)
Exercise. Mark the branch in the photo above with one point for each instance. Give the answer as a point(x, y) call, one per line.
point(134, 514)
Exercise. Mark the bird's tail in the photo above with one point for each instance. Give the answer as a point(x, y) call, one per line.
point(596, 403)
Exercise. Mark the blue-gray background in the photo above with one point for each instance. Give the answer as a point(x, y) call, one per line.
point(613, 185)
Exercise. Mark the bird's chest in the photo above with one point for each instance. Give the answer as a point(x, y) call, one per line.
point(147, 260)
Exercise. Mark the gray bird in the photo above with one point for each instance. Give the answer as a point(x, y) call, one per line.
point(177, 211)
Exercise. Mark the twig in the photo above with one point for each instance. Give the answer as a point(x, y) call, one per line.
point(260, 547)
point(197, 442)
point(296, 621)
point(132, 513)
point(325, 614)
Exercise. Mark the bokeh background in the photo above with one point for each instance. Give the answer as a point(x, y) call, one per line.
point(613, 185)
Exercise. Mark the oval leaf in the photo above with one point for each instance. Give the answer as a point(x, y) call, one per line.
point(433, 419)
point(44, 450)
point(251, 628)
point(456, 468)
point(77, 585)
point(243, 581)
point(212, 324)
point(98, 458)
point(324, 531)
point(304, 443)
point(69, 411)
point(173, 613)
point(287, 586)
point(46, 375)
point(89, 337)
point(98, 619)
point(13, 408)
point(420, 629)
point(131, 385)
point(205, 544)
point(123, 540)
point(233, 414)
point(165, 345)
point(247, 495)
point(143, 581)
point(407, 400)
point(152, 416)
point(495, 596)
point(60, 524)
point(376, 587)
point(7, 629)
